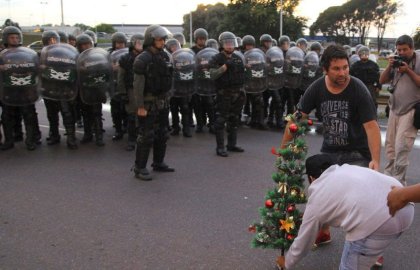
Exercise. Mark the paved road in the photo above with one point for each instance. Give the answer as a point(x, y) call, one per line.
point(63, 209)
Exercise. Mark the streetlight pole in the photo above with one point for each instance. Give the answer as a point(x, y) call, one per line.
point(281, 18)
point(62, 14)
point(122, 23)
point(191, 28)
point(43, 11)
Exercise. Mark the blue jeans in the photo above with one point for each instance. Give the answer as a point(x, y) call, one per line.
point(362, 254)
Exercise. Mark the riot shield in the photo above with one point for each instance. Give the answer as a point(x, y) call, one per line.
point(255, 71)
point(94, 70)
point(19, 81)
point(183, 61)
point(58, 72)
point(275, 65)
point(204, 85)
point(115, 57)
point(294, 65)
point(311, 69)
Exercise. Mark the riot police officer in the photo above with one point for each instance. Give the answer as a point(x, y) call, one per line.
point(91, 113)
point(266, 42)
point(180, 94)
point(228, 71)
point(152, 81)
point(368, 72)
point(19, 87)
point(55, 104)
point(125, 87)
point(212, 43)
point(199, 102)
point(180, 37)
point(72, 40)
point(118, 113)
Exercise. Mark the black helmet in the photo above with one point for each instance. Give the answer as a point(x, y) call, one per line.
point(200, 33)
point(152, 32)
point(302, 42)
point(172, 42)
point(212, 43)
point(239, 40)
point(63, 37)
point(83, 39)
point(136, 37)
point(47, 35)
point(71, 37)
point(264, 38)
point(227, 37)
point(248, 40)
point(284, 39)
point(316, 46)
point(118, 37)
point(180, 37)
point(92, 36)
point(274, 42)
point(9, 30)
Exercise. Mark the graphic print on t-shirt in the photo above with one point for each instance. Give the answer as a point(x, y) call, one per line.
point(335, 115)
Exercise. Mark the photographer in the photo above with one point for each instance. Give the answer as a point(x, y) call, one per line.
point(403, 73)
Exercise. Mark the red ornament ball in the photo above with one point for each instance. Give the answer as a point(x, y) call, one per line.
point(310, 122)
point(269, 203)
point(293, 128)
point(252, 228)
point(291, 208)
point(290, 237)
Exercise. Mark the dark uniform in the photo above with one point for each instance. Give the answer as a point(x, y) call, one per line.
point(152, 81)
point(368, 72)
point(27, 111)
point(228, 70)
point(54, 107)
point(125, 87)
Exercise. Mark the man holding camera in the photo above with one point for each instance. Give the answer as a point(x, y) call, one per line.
point(403, 73)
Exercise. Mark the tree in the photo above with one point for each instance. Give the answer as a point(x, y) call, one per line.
point(385, 12)
point(82, 26)
point(280, 218)
point(103, 27)
point(416, 38)
point(246, 17)
point(355, 16)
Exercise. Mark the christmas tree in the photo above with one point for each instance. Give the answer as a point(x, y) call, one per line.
point(280, 218)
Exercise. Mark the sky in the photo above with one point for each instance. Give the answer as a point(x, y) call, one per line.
point(93, 12)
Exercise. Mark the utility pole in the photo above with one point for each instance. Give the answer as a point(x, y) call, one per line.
point(191, 29)
point(62, 14)
point(281, 18)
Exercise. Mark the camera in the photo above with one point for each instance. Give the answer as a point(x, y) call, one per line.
point(398, 61)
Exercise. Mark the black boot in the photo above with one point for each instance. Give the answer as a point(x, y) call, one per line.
point(142, 173)
point(54, 135)
point(186, 127)
point(87, 136)
point(220, 141)
point(142, 155)
point(231, 145)
point(99, 141)
point(175, 130)
point(159, 150)
point(71, 138)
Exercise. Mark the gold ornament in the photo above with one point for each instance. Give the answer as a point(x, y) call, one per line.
point(282, 188)
point(287, 224)
point(293, 193)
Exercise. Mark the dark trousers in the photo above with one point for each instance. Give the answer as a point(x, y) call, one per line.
point(152, 132)
point(181, 105)
point(30, 119)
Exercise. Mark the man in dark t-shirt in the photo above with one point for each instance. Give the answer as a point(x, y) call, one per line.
point(352, 133)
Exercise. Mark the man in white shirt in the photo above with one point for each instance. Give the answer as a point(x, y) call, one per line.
point(355, 199)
